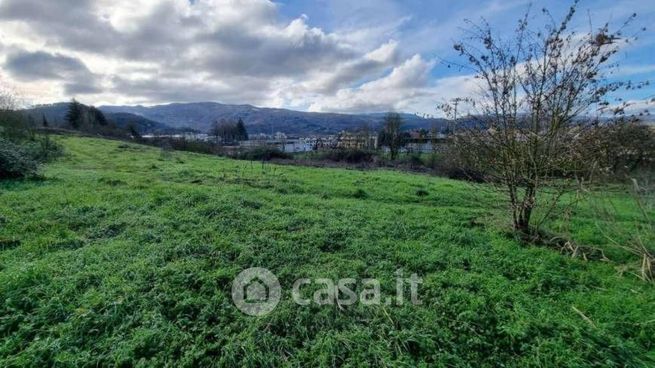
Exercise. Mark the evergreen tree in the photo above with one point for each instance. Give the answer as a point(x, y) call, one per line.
point(44, 121)
point(242, 133)
point(97, 116)
point(134, 132)
point(74, 115)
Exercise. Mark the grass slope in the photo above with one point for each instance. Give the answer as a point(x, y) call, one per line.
point(124, 256)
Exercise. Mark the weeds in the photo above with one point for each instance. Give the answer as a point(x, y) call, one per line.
point(636, 237)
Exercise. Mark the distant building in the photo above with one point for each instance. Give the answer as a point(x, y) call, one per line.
point(423, 141)
point(348, 140)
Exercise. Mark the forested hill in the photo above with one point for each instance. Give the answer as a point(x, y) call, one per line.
point(55, 114)
point(201, 115)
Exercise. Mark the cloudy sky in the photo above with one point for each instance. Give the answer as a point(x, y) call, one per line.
point(322, 55)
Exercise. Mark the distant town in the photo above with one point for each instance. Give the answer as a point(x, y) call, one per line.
point(418, 141)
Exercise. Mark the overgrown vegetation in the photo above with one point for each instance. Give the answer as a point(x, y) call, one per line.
point(261, 154)
point(621, 149)
point(183, 144)
point(121, 256)
point(636, 237)
point(22, 149)
point(15, 162)
point(353, 156)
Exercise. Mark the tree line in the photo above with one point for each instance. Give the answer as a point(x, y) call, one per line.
point(229, 132)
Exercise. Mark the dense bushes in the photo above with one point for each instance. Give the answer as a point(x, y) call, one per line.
point(459, 173)
point(43, 149)
point(183, 144)
point(22, 148)
point(263, 154)
point(352, 156)
point(15, 162)
point(609, 152)
point(21, 159)
point(414, 161)
point(620, 148)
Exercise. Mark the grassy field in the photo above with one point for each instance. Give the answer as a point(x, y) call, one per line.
point(124, 256)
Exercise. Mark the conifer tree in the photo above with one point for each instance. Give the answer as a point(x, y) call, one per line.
point(242, 133)
point(74, 114)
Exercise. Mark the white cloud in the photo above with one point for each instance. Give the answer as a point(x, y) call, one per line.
point(398, 90)
point(346, 73)
point(235, 51)
point(372, 55)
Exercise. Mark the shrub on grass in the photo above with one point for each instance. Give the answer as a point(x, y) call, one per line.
point(433, 161)
point(43, 149)
point(15, 162)
point(459, 173)
point(263, 154)
point(452, 169)
point(168, 144)
point(352, 156)
point(413, 160)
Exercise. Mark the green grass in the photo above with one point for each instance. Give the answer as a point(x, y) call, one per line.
point(123, 257)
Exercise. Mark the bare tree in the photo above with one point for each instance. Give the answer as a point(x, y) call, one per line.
point(7, 100)
point(12, 123)
point(535, 91)
point(391, 135)
point(215, 132)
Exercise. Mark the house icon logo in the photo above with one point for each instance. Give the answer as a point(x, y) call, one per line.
point(256, 291)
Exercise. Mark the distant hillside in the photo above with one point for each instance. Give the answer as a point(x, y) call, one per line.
point(55, 114)
point(201, 115)
point(143, 125)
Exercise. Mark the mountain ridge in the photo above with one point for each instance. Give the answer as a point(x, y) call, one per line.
point(55, 115)
point(200, 116)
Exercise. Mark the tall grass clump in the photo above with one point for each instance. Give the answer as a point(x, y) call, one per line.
point(635, 235)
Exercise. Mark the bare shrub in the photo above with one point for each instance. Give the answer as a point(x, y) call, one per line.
point(621, 148)
point(536, 91)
